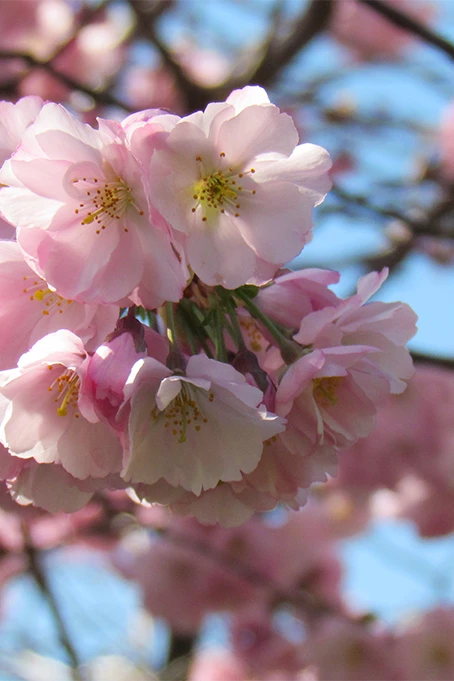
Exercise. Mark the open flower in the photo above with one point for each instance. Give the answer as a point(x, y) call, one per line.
point(78, 200)
point(194, 430)
point(233, 179)
point(29, 310)
point(45, 416)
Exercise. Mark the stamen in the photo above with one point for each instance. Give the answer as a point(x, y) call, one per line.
point(67, 387)
point(39, 291)
point(106, 203)
point(324, 390)
point(183, 413)
point(219, 191)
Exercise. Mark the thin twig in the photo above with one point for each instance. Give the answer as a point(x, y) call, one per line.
point(401, 19)
point(39, 575)
point(310, 24)
point(98, 96)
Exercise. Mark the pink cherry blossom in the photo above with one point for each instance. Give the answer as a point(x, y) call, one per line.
point(383, 326)
point(29, 310)
point(446, 142)
point(357, 652)
point(414, 435)
point(14, 120)
point(330, 398)
point(217, 665)
point(152, 87)
point(184, 577)
point(45, 418)
point(370, 36)
point(78, 200)
point(425, 646)
point(38, 28)
point(294, 295)
point(109, 367)
point(264, 651)
point(48, 486)
point(280, 477)
point(205, 427)
point(227, 176)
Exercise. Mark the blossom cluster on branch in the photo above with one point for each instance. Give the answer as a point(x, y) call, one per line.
point(150, 338)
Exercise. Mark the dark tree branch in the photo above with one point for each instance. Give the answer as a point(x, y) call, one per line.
point(399, 18)
point(196, 97)
point(310, 24)
point(98, 96)
point(431, 224)
point(36, 570)
point(443, 362)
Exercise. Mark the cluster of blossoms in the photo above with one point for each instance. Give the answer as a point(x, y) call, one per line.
point(281, 585)
point(405, 467)
point(150, 339)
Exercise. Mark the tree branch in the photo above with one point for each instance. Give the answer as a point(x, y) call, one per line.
point(443, 362)
point(36, 570)
point(314, 20)
point(399, 18)
point(100, 97)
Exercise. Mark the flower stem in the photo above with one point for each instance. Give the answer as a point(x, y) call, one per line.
point(290, 350)
point(171, 328)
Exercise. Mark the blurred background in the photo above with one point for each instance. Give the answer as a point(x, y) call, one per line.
point(359, 583)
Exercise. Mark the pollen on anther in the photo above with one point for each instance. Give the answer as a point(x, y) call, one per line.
point(198, 158)
point(237, 215)
point(193, 210)
point(204, 219)
point(254, 191)
point(222, 154)
point(240, 175)
point(252, 170)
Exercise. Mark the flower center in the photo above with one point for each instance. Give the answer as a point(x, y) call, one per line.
point(103, 202)
point(38, 290)
point(183, 413)
point(324, 390)
point(250, 329)
point(66, 387)
point(220, 191)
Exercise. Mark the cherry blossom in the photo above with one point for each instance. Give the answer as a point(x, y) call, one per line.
point(206, 426)
point(78, 200)
point(29, 310)
point(45, 418)
point(227, 176)
point(370, 36)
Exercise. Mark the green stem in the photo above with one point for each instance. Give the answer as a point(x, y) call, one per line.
point(181, 319)
point(171, 329)
point(221, 351)
point(195, 324)
point(234, 327)
point(290, 351)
